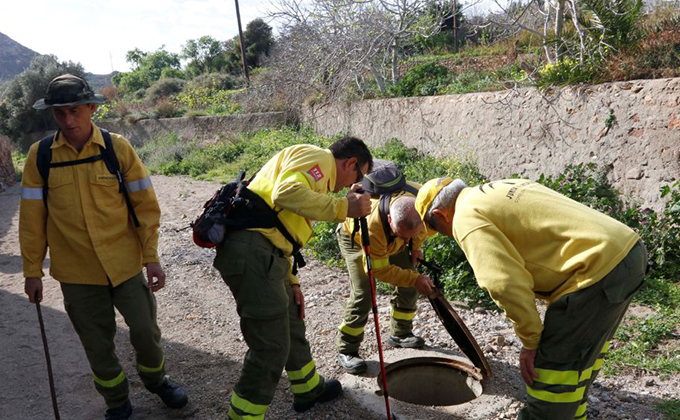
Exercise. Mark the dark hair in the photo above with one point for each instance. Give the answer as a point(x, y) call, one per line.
point(349, 147)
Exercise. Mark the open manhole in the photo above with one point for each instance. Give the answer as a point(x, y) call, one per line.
point(432, 381)
point(437, 381)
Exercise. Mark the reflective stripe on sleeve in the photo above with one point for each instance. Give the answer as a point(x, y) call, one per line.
point(140, 184)
point(31, 193)
point(379, 263)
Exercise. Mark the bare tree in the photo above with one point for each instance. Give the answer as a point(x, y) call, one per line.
point(355, 37)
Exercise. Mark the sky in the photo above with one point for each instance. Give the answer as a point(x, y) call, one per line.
point(98, 33)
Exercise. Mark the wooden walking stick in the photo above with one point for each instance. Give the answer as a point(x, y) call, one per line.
point(49, 363)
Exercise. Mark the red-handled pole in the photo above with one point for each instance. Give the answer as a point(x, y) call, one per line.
point(367, 252)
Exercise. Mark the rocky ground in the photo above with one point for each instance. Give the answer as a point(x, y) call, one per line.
point(204, 345)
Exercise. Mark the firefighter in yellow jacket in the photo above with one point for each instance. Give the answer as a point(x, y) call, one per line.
point(256, 265)
point(393, 264)
point(525, 241)
point(96, 251)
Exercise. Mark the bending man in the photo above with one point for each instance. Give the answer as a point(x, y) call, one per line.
point(256, 265)
point(393, 264)
point(525, 241)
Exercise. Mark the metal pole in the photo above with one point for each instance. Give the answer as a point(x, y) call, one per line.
point(246, 77)
point(49, 363)
point(365, 240)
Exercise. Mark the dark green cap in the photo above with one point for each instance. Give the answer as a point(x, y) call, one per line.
point(68, 90)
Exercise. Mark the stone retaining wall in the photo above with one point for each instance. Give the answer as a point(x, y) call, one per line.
point(631, 127)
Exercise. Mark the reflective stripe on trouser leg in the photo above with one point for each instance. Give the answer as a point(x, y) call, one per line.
point(90, 309)
point(404, 299)
point(242, 409)
point(135, 301)
point(575, 338)
point(258, 278)
point(358, 305)
point(568, 388)
point(305, 382)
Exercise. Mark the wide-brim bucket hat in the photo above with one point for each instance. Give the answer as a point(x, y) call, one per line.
point(68, 90)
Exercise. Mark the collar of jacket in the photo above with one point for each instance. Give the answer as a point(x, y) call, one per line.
point(96, 137)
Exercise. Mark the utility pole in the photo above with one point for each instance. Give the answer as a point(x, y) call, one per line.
point(243, 47)
point(455, 28)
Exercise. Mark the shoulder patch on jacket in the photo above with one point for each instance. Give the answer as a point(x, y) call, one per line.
point(316, 173)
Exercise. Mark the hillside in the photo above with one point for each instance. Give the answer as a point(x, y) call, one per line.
point(14, 57)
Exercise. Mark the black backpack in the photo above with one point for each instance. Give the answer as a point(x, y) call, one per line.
point(384, 180)
point(235, 207)
point(108, 155)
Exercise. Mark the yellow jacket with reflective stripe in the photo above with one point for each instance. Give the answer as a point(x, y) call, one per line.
point(381, 251)
point(87, 225)
point(296, 181)
point(525, 241)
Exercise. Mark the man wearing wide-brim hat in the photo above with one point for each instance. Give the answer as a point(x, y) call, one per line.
point(526, 242)
point(97, 213)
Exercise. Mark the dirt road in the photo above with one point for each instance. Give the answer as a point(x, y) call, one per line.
point(203, 343)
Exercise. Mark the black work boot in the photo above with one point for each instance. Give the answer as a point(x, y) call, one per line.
point(171, 393)
point(119, 413)
point(331, 390)
point(408, 341)
point(352, 363)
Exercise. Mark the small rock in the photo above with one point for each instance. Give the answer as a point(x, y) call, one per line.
point(593, 400)
point(622, 396)
point(650, 382)
point(498, 341)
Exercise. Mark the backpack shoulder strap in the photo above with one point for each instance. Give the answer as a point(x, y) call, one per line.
point(112, 164)
point(109, 154)
point(410, 188)
point(383, 211)
point(43, 161)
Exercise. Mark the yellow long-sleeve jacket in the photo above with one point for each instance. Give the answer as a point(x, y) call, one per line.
point(382, 249)
point(296, 181)
point(525, 241)
point(86, 226)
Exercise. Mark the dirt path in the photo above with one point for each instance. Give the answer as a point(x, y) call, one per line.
point(203, 343)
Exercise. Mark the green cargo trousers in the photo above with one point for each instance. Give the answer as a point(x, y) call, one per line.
point(404, 299)
point(91, 310)
point(576, 332)
point(257, 274)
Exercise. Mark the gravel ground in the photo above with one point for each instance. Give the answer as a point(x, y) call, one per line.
point(204, 347)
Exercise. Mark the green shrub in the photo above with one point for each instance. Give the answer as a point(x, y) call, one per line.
point(422, 80)
point(210, 100)
point(660, 232)
point(164, 88)
point(217, 81)
point(567, 71)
